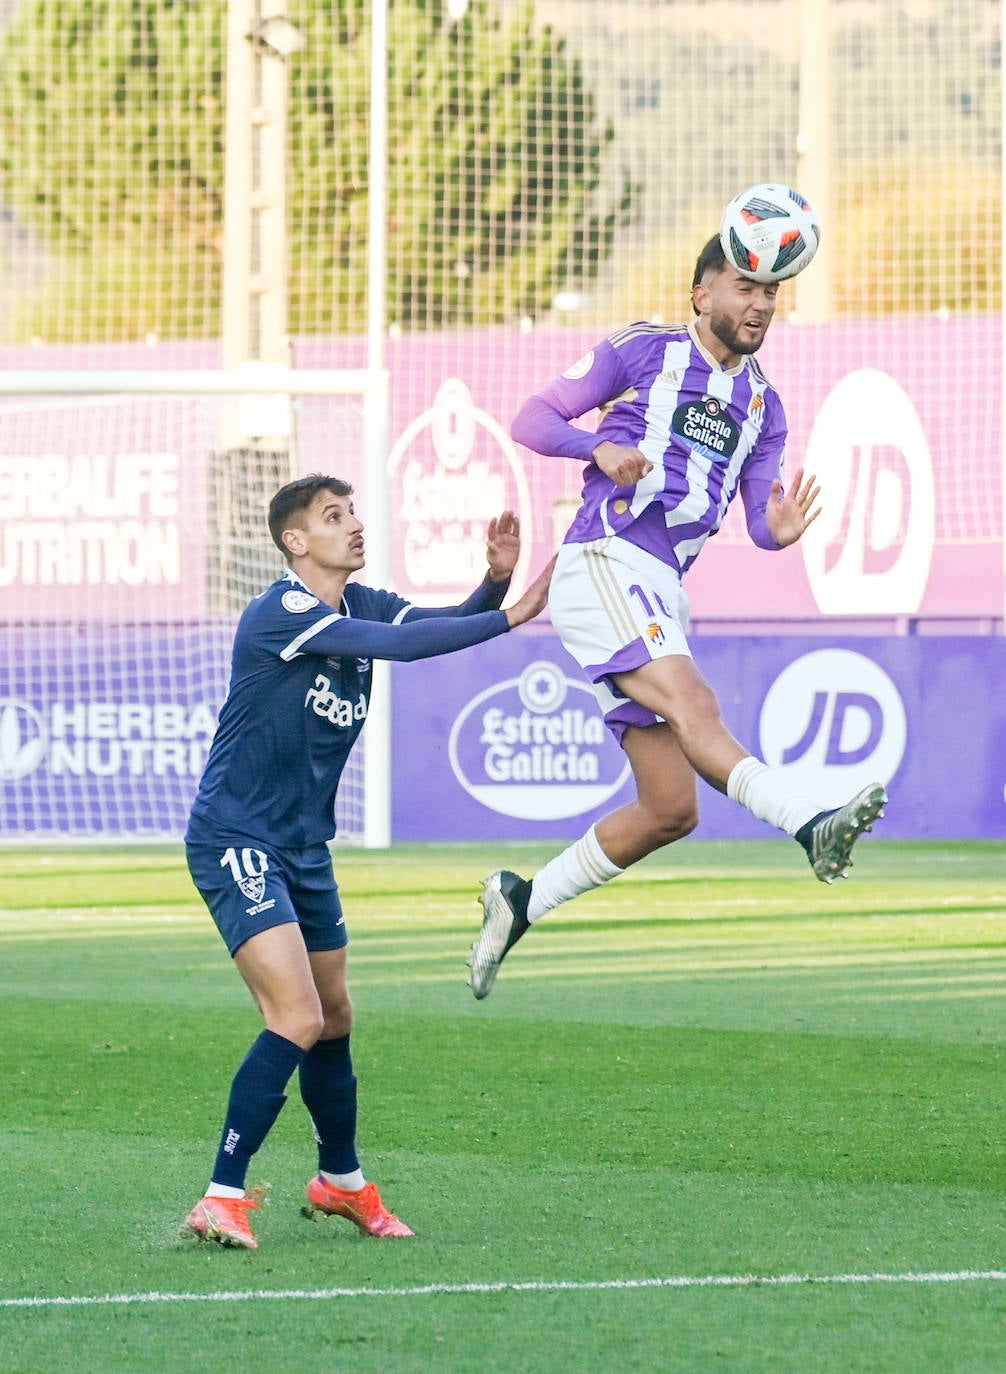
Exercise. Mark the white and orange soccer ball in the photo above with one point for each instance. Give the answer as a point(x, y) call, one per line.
point(769, 232)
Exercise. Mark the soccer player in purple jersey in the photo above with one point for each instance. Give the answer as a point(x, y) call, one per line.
point(257, 839)
point(687, 419)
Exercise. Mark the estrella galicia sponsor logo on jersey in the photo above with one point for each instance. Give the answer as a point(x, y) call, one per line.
point(536, 747)
point(835, 721)
point(296, 602)
point(323, 701)
point(708, 425)
point(23, 739)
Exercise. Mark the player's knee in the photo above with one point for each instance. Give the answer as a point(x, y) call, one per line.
point(678, 824)
point(669, 823)
point(338, 1021)
point(303, 1024)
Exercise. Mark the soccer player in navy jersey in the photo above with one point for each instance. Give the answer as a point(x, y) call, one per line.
point(687, 419)
point(265, 809)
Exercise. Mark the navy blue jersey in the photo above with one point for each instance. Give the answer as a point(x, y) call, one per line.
point(298, 696)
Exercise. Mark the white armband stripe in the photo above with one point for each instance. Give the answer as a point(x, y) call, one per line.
point(294, 647)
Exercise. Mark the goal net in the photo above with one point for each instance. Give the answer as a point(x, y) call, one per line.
point(553, 168)
point(131, 540)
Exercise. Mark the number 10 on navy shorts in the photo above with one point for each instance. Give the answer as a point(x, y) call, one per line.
point(251, 888)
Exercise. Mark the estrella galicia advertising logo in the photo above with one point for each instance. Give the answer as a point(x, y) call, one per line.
point(835, 721)
point(536, 747)
point(452, 470)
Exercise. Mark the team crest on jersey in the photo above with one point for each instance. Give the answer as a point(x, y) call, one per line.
point(296, 602)
point(655, 632)
point(757, 403)
point(581, 368)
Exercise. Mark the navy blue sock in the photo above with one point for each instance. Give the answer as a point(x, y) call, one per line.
point(257, 1096)
point(805, 835)
point(328, 1087)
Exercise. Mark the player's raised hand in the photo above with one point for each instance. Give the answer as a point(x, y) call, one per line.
point(502, 545)
point(789, 515)
point(625, 466)
point(534, 599)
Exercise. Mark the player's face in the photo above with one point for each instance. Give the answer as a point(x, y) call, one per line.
point(333, 534)
point(734, 313)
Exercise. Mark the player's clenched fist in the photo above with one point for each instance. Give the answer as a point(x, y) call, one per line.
point(625, 466)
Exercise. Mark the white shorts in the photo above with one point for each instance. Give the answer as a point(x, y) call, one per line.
point(616, 607)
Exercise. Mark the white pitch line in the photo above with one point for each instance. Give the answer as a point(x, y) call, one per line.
point(530, 1286)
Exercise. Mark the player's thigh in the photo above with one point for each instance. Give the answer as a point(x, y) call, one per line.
point(276, 967)
point(672, 688)
point(666, 783)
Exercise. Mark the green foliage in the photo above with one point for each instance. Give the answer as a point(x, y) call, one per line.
point(111, 151)
point(105, 108)
point(495, 156)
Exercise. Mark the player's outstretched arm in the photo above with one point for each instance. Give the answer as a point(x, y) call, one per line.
point(534, 600)
point(418, 637)
point(788, 516)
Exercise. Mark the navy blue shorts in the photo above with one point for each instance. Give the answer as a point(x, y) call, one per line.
point(251, 888)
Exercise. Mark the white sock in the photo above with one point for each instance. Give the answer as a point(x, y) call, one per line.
point(769, 795)
point(577, 869)
point(349, 1183)
point(223, 1190)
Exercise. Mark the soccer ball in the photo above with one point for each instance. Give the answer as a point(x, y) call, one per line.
point(769, 232)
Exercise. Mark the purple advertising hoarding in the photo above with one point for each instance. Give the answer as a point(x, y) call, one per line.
point(504, 742)
point(105, 730)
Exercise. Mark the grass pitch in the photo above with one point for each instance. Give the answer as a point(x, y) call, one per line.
point(714, 1116)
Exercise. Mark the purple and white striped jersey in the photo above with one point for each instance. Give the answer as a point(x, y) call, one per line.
point(705, 429)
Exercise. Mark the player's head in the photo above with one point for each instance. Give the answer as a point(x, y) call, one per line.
point(289, 507)
point(734, 310)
